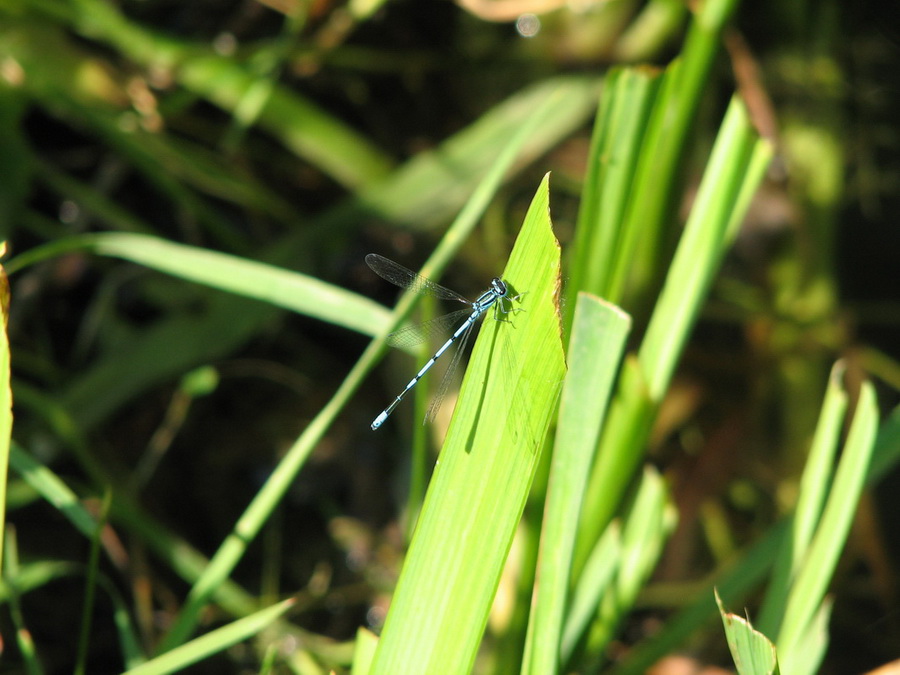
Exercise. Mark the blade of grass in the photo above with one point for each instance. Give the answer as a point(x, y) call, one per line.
point(433, 185)
point(213, 642)
point(267, 63)
point(658, 176)
point(812, 581)
point(52, 489)
point(477, 495)
point(90, 592)
point(276, 286)
point(595, 350)
point(364, 651)
point(648, 522)
point(619, 130)
point(751, 650)
point(814, 484)
point(814, 642)
point(596, 577)
point(299, 124)
point(650, 31)
point(735, 167)
point(20, 578)
point(6, 417)
point(11, 573)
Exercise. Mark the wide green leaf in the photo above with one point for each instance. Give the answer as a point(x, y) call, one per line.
point(752, 651)
point(485, 470)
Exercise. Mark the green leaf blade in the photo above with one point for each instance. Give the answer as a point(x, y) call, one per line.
point(484, 473)
point(595, 350)
point(250, 278)
point(752, 651)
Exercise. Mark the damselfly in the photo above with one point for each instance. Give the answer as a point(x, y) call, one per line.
point(404, 278)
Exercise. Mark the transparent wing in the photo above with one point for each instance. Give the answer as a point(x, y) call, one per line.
point(404, 278)
point(448, 375)
point(410, 336)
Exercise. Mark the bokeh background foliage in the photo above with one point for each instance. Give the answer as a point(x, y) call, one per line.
point(188, 192)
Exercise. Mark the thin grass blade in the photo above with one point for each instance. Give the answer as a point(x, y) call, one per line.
point(213, 642)
point(595, 350)
point(241, 276)
point(817, 477)
point(813, 578)
point(6, 417)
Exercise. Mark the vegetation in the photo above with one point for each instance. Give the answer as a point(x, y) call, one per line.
point(683, 408)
